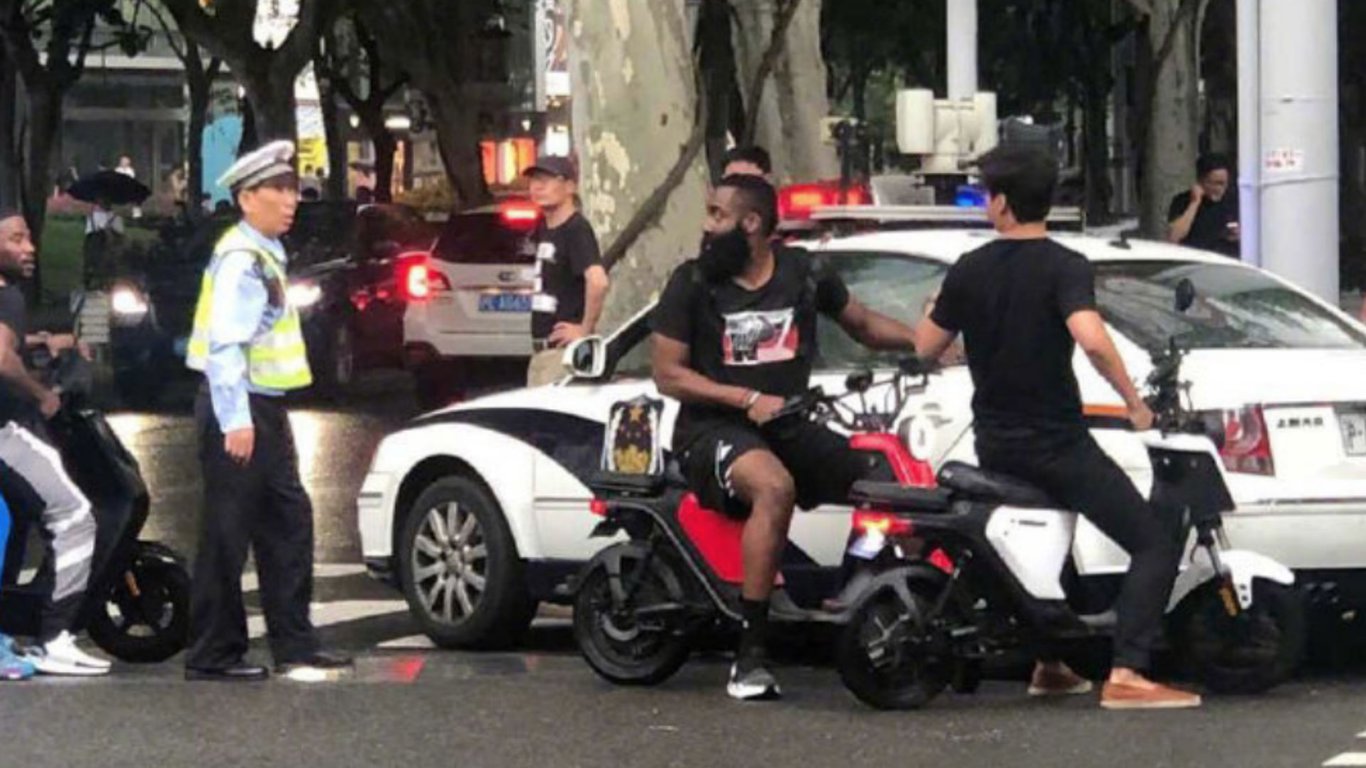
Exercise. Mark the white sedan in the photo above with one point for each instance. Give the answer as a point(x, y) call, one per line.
point(477, 512)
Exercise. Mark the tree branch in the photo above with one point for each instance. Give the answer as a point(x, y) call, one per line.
point(1183, 13)
point(298, 48)
point(649, 212)
point(776, 43)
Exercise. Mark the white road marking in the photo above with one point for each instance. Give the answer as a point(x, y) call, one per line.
point(409, 643)
point(1347, 759)
point(336, 612)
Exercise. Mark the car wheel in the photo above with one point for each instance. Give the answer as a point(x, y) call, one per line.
point(460, 570)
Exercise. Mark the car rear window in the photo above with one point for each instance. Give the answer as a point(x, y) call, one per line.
point(482, 238)
point(1235, 308)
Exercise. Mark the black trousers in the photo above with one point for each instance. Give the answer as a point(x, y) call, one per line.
point(1081, 477)
point(262, 505)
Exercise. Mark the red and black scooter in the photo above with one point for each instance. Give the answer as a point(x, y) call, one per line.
point(639, 603)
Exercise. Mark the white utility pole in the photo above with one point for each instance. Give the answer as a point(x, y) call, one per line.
point(1288, 140)
point(962, 48)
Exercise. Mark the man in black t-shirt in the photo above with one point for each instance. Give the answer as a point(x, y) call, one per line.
point(33, 481)
point(1206, 216)
point(734, 335)
point(571, 280)
point(1023, 303)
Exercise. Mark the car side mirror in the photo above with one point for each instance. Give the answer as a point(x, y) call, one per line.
point(586, 358)
point(1185, 295)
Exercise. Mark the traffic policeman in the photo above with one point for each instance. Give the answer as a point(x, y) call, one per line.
point(248, 342)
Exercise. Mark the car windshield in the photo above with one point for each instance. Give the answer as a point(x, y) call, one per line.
point(482, 237)
point(894, 284)
point(1235, 308)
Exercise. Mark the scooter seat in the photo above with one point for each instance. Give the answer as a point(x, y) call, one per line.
point(901, 498)
point(624, 484)
point(976, 484)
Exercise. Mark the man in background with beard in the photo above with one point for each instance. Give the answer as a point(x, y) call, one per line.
point(734, 336)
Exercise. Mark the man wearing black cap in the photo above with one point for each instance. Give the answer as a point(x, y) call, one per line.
point(571, 281)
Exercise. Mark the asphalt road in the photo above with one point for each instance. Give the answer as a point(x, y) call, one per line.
point(412, 705)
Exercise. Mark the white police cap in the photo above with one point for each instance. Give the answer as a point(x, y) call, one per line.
point(259, 166)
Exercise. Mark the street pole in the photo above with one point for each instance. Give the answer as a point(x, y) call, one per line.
point(1297, 140)
point(1249, 130)
point(962, 48)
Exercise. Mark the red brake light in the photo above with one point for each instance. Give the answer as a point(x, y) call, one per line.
point(867, 521)
point(598, 507)
point(1247, 442)
point(519, 214)
point(417, 280)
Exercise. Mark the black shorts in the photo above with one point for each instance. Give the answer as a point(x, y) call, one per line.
point(821, 462)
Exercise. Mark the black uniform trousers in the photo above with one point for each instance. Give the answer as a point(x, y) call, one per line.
point(263, 505)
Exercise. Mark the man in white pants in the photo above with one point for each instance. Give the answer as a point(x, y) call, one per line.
point(32, 478)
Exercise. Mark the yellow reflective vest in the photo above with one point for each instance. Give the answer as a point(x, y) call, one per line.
point(277, 359)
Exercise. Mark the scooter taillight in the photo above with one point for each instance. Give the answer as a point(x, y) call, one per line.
point(870, 521)
point(1246, 443)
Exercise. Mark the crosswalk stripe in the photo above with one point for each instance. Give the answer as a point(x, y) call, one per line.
point(1347, 759)
point(336, 612)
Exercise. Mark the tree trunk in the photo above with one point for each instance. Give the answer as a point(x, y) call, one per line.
point(794, 102)
point(457, 137)
point(1096, 155)
point(716, 50)
point(372, 119)
point(11, 156)
point(332, 134)
point(272, 102)
point(201, 91)
point(635, 127)
point(1173, 122)
point(44, 137)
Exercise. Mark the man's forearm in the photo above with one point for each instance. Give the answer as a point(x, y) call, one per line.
point(12, 370)
point(882, 332)
point(689, 386)
point(1181, 227)
point(594, 296)
point(1109, 365)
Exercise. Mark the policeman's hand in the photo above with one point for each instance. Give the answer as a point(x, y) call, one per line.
point(1141, 416)
point(239, 444)
point(50, 404)
point(564, 333)
point(764, 409)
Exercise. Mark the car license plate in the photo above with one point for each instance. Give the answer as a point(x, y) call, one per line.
point(505, 302)
point(1353, 426)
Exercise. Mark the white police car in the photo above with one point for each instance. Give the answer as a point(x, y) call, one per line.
point(478, 511)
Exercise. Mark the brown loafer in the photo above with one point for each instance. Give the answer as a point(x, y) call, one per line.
point(1127, 696)
point(1058, 682)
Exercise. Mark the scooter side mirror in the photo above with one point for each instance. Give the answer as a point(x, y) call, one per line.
point(859, 381)
point(1185, 295)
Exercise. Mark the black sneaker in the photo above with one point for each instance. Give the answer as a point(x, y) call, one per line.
point(751, 681)
point(322, 665)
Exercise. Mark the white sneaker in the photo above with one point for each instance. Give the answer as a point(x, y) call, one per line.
point(60, 656)
point(753, 684)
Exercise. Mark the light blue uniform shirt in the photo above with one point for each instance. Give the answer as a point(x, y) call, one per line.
point(241, 312)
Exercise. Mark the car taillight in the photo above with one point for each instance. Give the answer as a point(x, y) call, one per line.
point(519, 215)
point(1246, 443)
point(598, 507)
point(798, 201)
point(417, 281)
point(869, 521)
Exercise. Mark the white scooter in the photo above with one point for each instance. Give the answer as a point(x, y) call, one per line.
point(985, 568)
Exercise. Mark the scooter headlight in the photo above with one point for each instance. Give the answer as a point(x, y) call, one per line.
point(128, 304)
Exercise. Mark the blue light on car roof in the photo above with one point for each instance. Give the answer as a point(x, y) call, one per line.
point(968, 196)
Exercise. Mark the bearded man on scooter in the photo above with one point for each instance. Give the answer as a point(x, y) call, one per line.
point(32, 478)
point(734, 336)
point(1023, 303)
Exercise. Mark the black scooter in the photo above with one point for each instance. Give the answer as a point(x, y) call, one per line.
point(137, 603)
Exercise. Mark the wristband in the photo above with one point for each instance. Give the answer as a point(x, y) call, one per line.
point(752, 398)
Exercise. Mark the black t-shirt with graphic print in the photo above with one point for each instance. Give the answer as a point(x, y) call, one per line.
point(763, 339)
point(563, 254)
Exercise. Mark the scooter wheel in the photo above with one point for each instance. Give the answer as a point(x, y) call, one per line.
point(148, 626)
point(618, 642)
point(1249, 653)
point(885, 655)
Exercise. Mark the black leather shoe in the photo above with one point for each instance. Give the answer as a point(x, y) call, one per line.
point(322, 660)
point(237, 673)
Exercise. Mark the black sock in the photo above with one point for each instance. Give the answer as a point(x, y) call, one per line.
point(754, 634)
